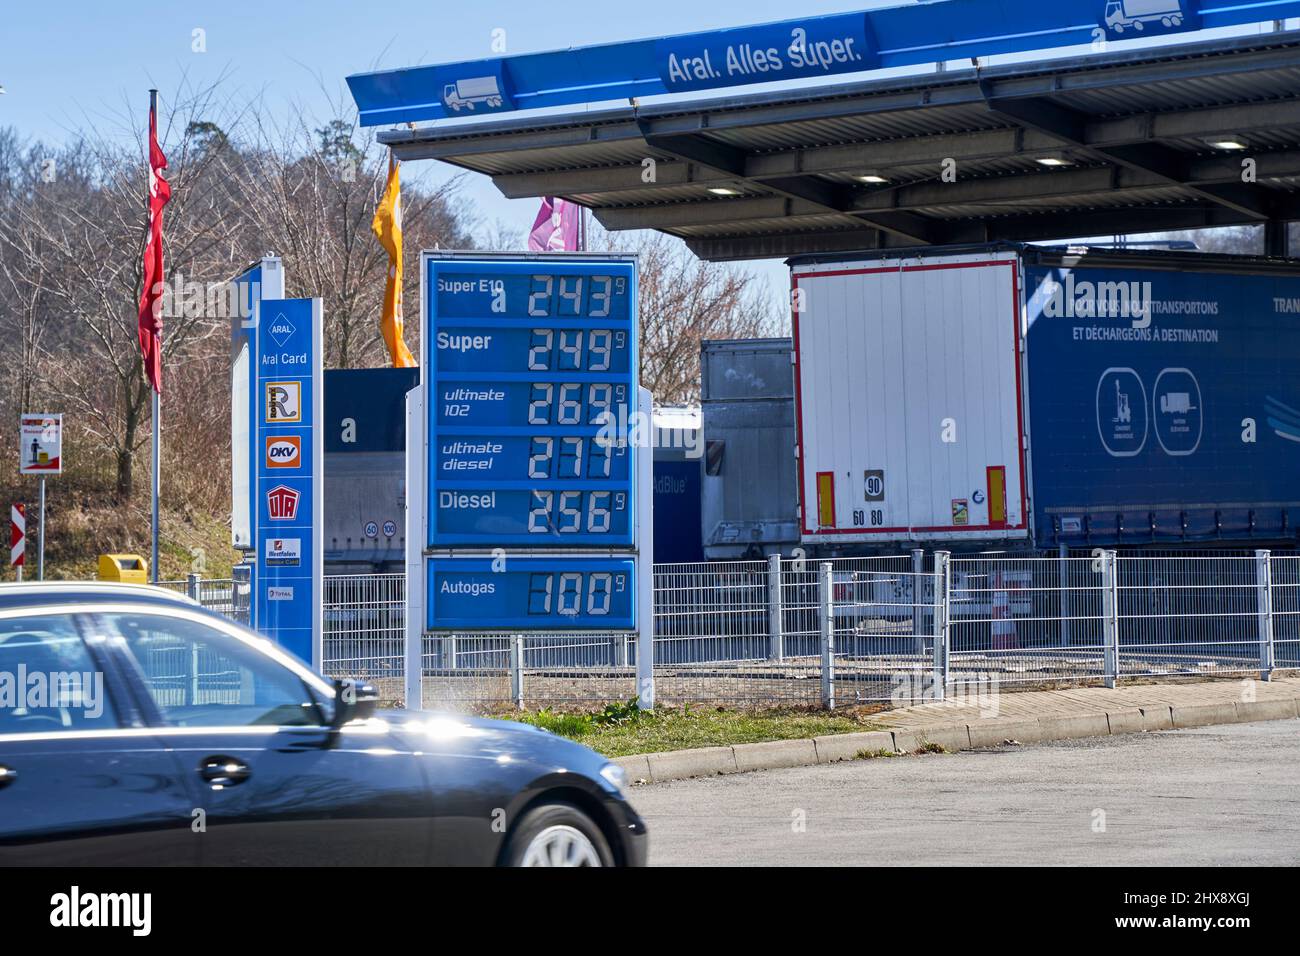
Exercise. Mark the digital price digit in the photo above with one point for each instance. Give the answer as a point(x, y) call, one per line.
point(573, 403)
point(573, 350)
point(573, 512)
point(573, 296)
point(570, 593)
point(570, 456)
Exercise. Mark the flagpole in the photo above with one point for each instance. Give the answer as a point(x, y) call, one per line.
point(156, 476)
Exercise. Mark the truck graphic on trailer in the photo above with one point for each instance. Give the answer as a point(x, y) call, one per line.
point(466, 93)
point(1122, 14)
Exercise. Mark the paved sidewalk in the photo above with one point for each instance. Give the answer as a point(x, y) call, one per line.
point(979, 720)
point(1072, 701)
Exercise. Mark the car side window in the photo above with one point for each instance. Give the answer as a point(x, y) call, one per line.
point(199, 676)
point(49, 682)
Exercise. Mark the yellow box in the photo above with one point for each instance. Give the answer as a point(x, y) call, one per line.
point(127, 568)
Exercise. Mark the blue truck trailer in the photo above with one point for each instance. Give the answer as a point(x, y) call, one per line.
point(1017, 396)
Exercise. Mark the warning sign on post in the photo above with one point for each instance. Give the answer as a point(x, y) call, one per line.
point(40, 444)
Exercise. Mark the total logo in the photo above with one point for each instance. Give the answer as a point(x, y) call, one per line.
point(282, 503)
point(283, 451)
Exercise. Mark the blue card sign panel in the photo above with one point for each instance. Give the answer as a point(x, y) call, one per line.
point(532, 593)
point(532, 369)
point(289, 457)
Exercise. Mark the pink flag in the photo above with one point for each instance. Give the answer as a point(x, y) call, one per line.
point(556, 227)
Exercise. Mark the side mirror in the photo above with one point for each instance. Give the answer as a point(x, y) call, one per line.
point(353, 700)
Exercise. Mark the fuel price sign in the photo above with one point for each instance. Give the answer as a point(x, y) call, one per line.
point(532, 593)
point(532, 371)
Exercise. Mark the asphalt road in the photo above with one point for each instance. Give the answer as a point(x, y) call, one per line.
point(1212, 795)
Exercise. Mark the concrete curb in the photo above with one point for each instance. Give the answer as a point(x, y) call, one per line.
point(806, 752)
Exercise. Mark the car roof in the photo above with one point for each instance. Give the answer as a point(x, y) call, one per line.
point(52, 593)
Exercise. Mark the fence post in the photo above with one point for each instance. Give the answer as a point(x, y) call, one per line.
point(449, 651)
point(1110, 617)
point(827, 635)
point(1264, 589)
point(517, 670)
point(1063, 566)
point(942, 606)
point(916, 593)
point(241, 593)
point(193, 587)
point(775, 610)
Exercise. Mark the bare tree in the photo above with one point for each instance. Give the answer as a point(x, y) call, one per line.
point(684, 300)
point(22, 270)
point(312, 194)
point(77, 235)
point(1239, 240)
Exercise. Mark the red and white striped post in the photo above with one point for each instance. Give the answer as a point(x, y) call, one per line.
point(17, 538)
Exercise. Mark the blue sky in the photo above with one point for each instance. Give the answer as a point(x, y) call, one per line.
point(86, 61)
point(93, 61)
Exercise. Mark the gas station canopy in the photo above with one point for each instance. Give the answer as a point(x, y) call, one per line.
point(1173, 137)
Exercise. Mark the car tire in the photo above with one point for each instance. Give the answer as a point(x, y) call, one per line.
point(557, 834)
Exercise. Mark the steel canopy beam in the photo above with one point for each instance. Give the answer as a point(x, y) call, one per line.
point(1160, 160)
point(1072, 187)
point(911, 154)
point(729, 160)
point(1021, 228)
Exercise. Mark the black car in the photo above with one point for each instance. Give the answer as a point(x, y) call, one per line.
point(136, 728)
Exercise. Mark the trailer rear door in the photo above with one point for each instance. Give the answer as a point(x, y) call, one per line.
point(909, 398)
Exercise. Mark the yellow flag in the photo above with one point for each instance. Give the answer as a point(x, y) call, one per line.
point(388, 228)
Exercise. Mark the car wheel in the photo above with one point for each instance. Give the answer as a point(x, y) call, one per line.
point(557, 834)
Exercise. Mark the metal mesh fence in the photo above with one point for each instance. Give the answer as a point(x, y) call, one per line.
point(223, 595)
point(758, 633)
point(494, 671)
point(1188, 615)
point(1286, 610)
point(1027, 619)
point(714, 640)
point(365, 620)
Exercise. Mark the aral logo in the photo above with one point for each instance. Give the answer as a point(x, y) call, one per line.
point(283, 451)
point(282, 503)
point(281, 330)
point(283, 402)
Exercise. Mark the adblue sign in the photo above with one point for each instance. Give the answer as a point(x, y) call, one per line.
point(818, 46)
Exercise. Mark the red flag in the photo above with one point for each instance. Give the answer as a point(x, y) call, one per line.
point(150, 327)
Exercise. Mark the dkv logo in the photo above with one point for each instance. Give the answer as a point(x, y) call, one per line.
point(283, 451)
